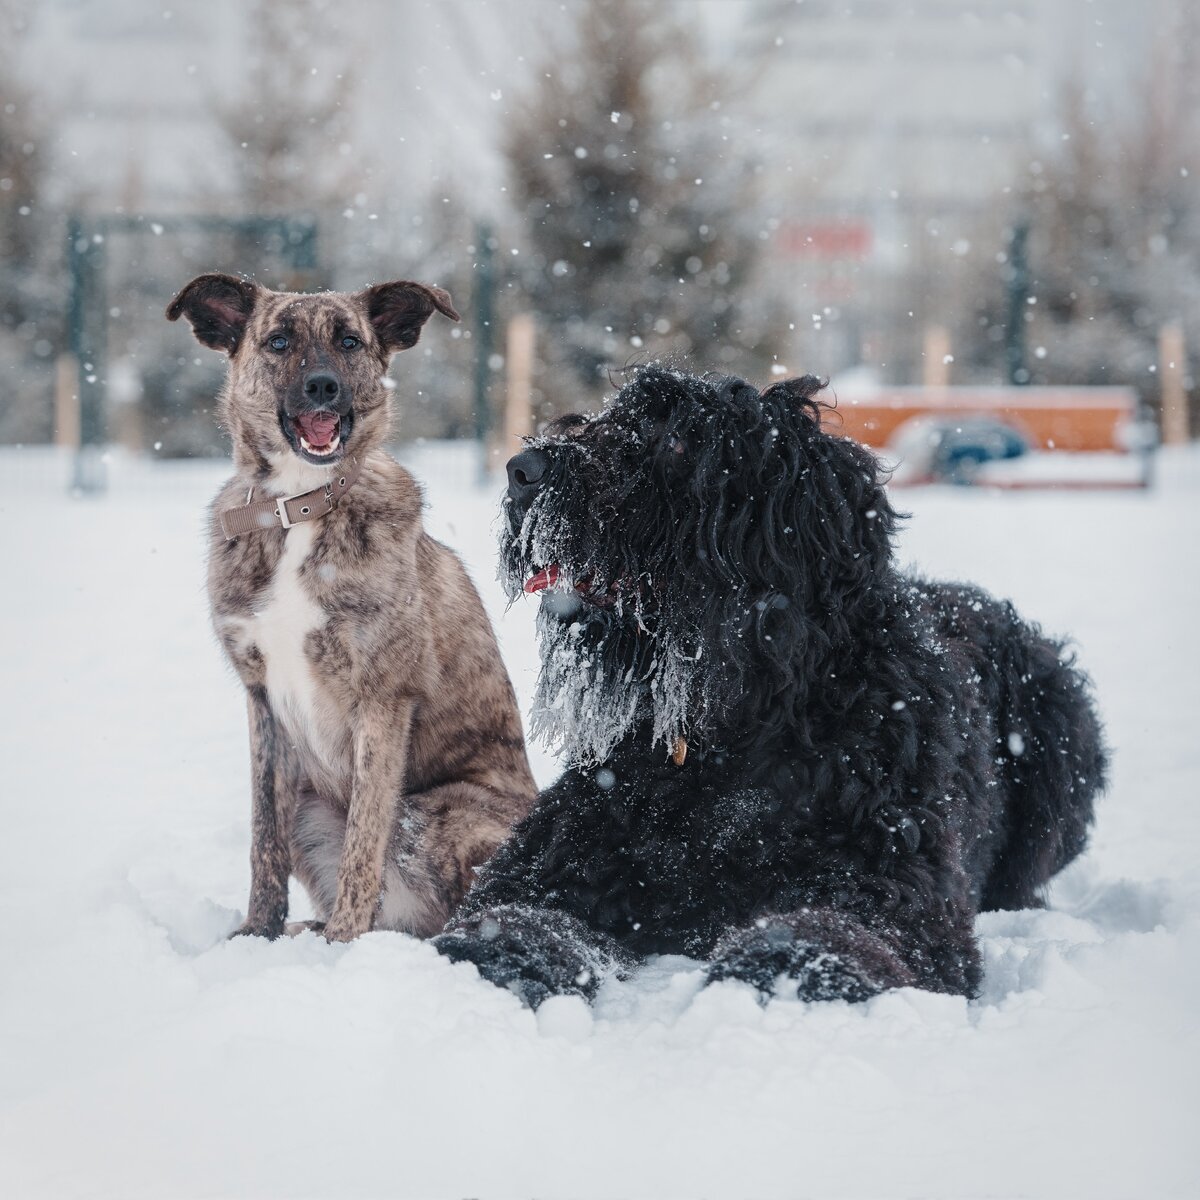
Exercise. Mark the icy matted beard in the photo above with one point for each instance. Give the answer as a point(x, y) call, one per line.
point(591, 694)
point(602, 673)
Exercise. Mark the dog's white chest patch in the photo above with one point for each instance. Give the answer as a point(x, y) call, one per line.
point(283, 626)
point(280, 629)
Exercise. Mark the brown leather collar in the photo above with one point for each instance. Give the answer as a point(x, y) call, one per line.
point(285, 511)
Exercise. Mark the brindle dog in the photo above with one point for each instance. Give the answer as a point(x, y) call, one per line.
point(386, 747)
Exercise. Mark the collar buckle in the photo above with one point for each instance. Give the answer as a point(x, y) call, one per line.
point(282, 513)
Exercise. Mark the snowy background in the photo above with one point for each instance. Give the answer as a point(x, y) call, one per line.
point(144, 1056)
point(836, 186)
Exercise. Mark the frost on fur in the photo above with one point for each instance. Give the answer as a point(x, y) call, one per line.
point(583, 709)
point(605, 663)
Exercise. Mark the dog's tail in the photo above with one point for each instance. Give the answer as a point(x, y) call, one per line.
point(1052, 758)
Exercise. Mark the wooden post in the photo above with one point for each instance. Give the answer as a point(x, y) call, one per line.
point(936, 372)
point(518, 413)
point(482, 298)
point(1172, 364)
point(66, 402)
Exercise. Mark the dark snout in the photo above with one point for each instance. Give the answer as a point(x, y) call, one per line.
point(526, 473)
point(322, 390)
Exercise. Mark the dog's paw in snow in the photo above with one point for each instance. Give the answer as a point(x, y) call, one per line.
point(535, 953)
point(269, 928)
point(813, 956)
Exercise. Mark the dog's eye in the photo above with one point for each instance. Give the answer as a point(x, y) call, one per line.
point(278, 342)
point(350, 342)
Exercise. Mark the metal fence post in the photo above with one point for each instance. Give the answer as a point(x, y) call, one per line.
point(86, 330)
point(1018, 300)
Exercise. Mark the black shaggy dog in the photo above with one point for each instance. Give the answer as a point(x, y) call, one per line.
point(786, 757)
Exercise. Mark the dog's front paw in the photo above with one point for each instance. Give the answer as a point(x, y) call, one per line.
point(502, 955)
point(252, 927)
point(813, 956)
point(801, 969)
point(534, 953)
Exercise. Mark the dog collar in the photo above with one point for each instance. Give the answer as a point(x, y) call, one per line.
point(285, 511)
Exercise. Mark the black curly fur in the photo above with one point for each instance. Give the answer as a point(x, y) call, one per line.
point(872, 758)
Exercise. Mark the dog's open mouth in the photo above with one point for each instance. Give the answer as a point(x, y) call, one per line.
point(554, 579)
point(546, 578)
point(318, 436)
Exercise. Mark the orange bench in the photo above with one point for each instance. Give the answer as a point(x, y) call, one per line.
point(1099, 421)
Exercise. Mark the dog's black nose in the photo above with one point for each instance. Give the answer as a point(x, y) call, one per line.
point(526, 471)
point(321, 389)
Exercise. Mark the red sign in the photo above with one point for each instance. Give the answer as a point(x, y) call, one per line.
point(830, 240)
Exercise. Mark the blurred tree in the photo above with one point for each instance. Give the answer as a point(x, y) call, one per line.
point(641, 212)
point(31, 261)
point(1114, 233)
point(434, 378)
point(287, 128)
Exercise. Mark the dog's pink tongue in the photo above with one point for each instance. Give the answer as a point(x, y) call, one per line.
point(544, 579)
point(318, 427)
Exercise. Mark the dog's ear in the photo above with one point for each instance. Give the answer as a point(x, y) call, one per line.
point(398, 310)
point(840, 509)
point(218, 308)
point(860, 521)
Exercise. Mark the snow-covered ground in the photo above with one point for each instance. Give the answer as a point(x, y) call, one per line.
point(142, 1055)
